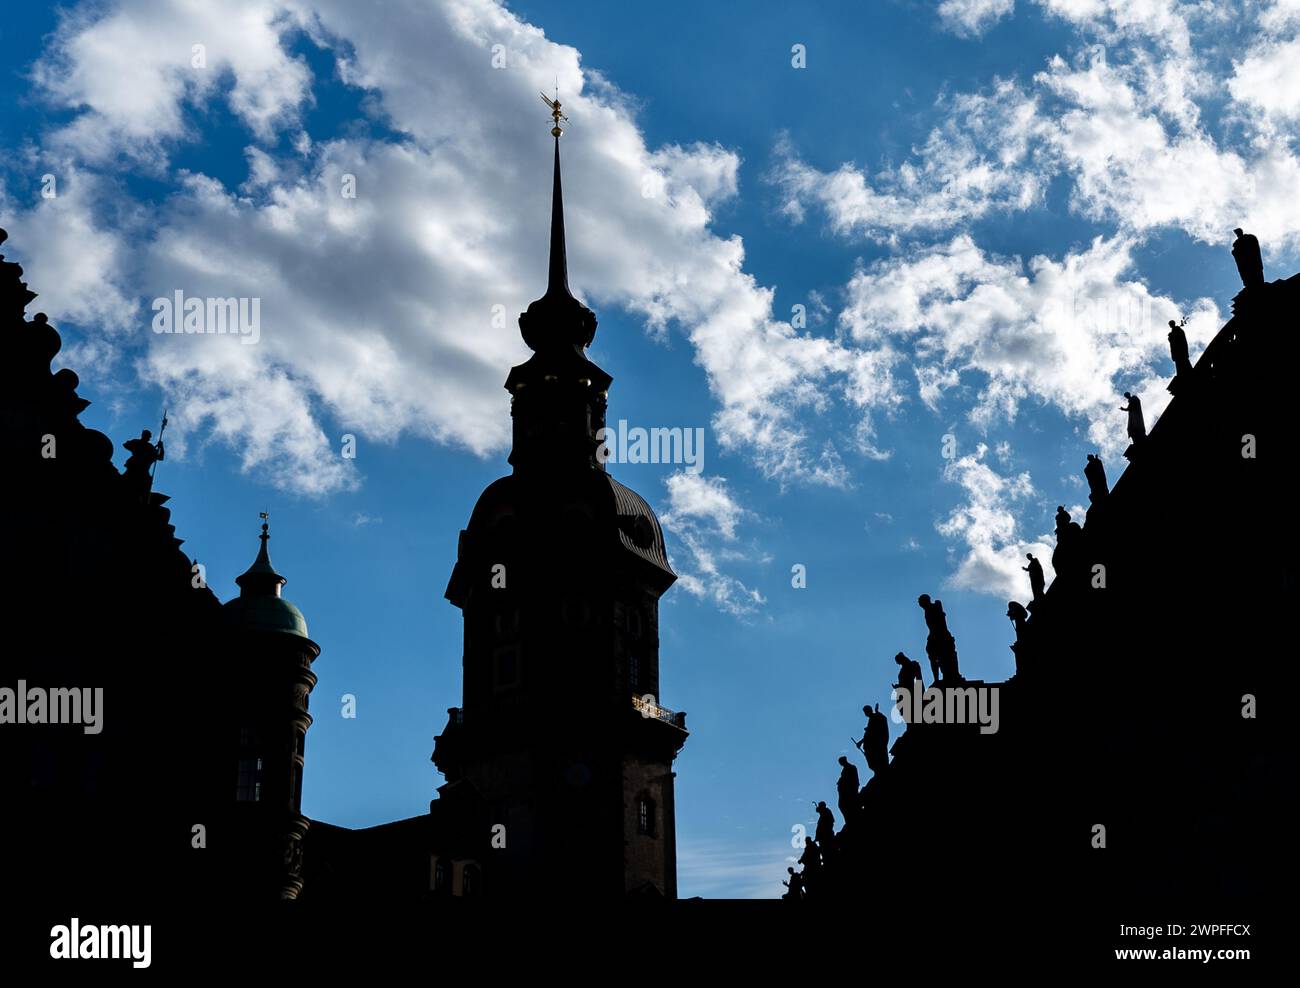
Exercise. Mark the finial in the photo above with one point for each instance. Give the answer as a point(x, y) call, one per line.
point(261, 577)
point(556, 115)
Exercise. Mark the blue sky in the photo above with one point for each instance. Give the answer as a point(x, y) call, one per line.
point(988, 210)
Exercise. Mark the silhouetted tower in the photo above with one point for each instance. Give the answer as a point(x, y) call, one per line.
point(559, 574)
point(270, 683)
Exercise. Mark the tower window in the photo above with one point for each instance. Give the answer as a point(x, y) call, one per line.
point(645, 817)
point(442, 877)
point(469, 881)
point(249, 789)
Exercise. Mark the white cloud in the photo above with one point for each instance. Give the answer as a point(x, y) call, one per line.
point(1073, 333)
point(75, 260)
point(129, 71)
point(1124, 123)
point(379, 311)
point(971, 18)
point(702, 514)
point(972, 164)
point(694, 496)
point(986, 524)
point(1269, 78)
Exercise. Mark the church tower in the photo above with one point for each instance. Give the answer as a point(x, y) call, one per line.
point(561, 739)
point(270, 679)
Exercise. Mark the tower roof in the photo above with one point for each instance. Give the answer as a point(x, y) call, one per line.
point(557, 319)
point(259, 606)
point(261, 578)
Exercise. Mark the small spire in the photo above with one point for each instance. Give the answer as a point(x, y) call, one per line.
point(557, 283)
point(557, 318)
point(261, 578)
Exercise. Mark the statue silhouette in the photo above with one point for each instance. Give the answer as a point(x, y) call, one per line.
point(1250, 265)
point(795, 885)
point(1178, 350)
point(1020, 621)
point(144, 454)
point(1037, 581)
point(847, 789)
point(940, 646)
point(825, 828)
point(811, 859)
point(1137, 427)
point(875, 740)
point(1068, 554)
point(909, 672)
point(1095, 473)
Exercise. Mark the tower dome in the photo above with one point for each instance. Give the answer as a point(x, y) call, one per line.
point(259, 606)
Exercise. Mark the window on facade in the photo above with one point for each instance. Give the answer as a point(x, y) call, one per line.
point(469, 881)
point(442, 877)
point(249, 788)
point(645, 817)
point(634, 672)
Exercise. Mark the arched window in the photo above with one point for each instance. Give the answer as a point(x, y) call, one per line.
point(469, 881)
point(442, 877)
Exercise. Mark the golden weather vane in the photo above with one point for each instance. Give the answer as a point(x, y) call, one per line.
point(556, 115)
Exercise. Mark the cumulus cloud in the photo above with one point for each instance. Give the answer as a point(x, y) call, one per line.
point(703, 514)
point(971, 165)
point(1125, 125)
point(130, 69)
point(77, 262)
point(971, 18)
point(393, 312)
point(1073, 333)
point(986, 524)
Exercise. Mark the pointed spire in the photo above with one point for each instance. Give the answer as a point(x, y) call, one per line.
point(557, 318)
point(261, 579)
point(558, 282)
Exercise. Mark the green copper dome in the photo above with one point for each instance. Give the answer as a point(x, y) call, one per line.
point(267, 614)
point(259, 606)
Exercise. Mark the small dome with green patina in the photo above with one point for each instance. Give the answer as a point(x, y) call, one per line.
point(259, 606)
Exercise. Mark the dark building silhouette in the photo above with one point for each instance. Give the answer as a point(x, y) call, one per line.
point(1134, 704)
point(559, 573)
point(558, 763)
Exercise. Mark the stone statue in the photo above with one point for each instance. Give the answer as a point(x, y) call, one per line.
point(940, 646)
point(795, 885)
point(1095, 473)
point(1137, 427)
point(1178, 350)
point(144, 454)
point(909, 672)
point(1250, 265)
point(875, 740)
point(1037, 581)
point(825, 828)
point(847, 789)
point(1020, 621)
